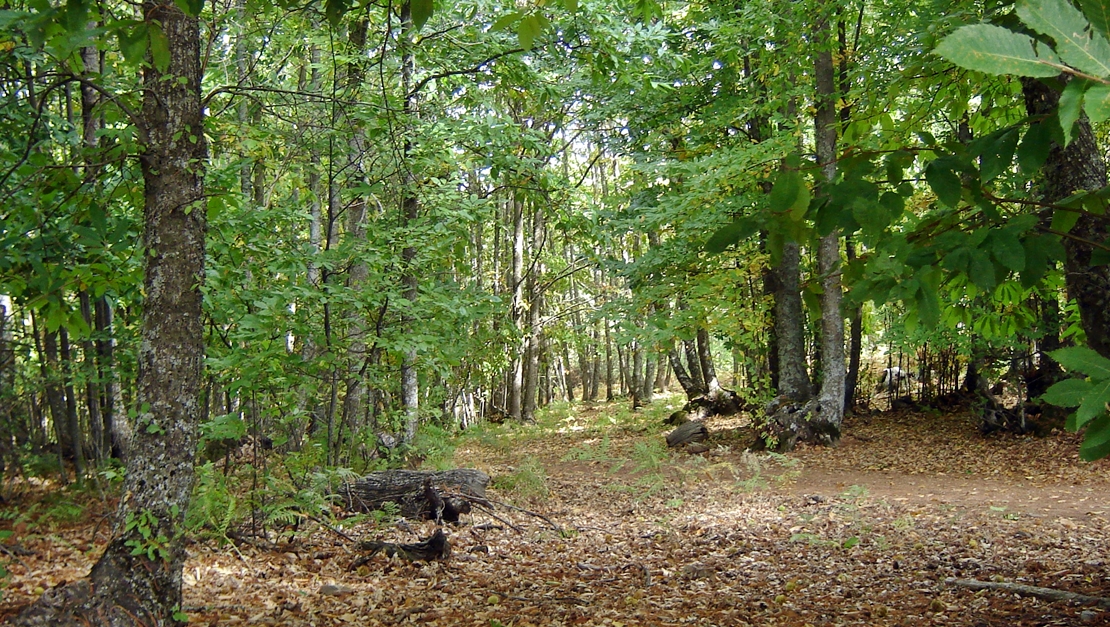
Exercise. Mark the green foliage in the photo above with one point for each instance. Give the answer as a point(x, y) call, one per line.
point(1090, 395)
point(1083, 51)
point(214, 508)
point(527, 482)
point(435, 446)
point(146, 537)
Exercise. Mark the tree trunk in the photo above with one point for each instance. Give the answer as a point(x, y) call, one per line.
point(1080, 166)
point(92, 383)
point(609, 394)
point(128, 587)
point(516, 381)
point(789, 329)
point(693, 364)
point(410, 209)
point(117, 427)
point(855, 343)
point(705, 360)
point(73, 422)
point(55, 393)
point(831, 395)
point(682, 375)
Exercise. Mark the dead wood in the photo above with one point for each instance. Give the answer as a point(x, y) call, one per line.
point(1047, 594)
point(692, 431)
point(434, 547)
point(417, 492)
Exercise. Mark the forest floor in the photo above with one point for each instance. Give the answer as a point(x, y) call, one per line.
point(873, 532)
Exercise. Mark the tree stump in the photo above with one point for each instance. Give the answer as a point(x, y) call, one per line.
point(417, 492)
point(692, 431)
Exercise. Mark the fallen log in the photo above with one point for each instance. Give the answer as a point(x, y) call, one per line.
point(692, 431)
point(434, 547)
point(418, 493)
point(1046, 594)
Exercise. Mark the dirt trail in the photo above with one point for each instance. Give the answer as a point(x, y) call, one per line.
point(864, 534)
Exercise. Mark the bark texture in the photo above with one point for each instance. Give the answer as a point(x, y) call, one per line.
point(830, 398)
point(793, 378)
point(145, 589)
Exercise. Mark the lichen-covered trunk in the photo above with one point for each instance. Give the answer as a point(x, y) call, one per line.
point(1080, 166)
point(830, 398)
point(793, 378)
point(137, 581)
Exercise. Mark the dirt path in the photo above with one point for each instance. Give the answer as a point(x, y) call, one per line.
point(865, 534)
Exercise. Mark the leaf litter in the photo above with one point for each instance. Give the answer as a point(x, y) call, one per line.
point(868, 533)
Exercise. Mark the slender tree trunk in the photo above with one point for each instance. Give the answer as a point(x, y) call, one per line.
point(855, 342)
point(705, 359)
point(535, 308)
point(683, 376)
point(693, 362)
point(117, 426)
point(73, 421)
point(92, 385)
point(354, 399)
point(410, 209)
point(609, 393)
point(55, 392)
point(516, 381)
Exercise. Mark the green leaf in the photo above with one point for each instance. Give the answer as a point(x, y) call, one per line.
point(1094, 404)
point(872, 216)
point(1096, 442)
point(335, 9)
point(1067, 393)
point(1077, 44)
point(981, 270)
point(133, 42)
point(1007, 250)
point(527, 30)
point(1071, 107)
point(505, 21)
point(1064, 219)
point(730, 234)
point(945, 183)
point(191, 8)
point(1098, 12)
point(996, 50)
point(998, 155)
point(1036, 261)
point(801, 202)
point(1096, 102)
point(928, 306)
point(571, 5)
point(1100, 256)
point(159, 48)
point(785, 191)
point(1084, 360)
point(1033, 151)
point(421, 11)
point(895, 205)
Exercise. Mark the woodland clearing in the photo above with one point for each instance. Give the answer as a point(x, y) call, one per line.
point(868, 533)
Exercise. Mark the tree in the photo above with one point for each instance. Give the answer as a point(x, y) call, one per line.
point(1073, 163)
point(137, 580)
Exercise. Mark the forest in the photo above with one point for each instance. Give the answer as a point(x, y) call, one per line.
point(554, 312)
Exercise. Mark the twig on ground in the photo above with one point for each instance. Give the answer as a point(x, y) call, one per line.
point(1047, 594)
point(489, 503)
